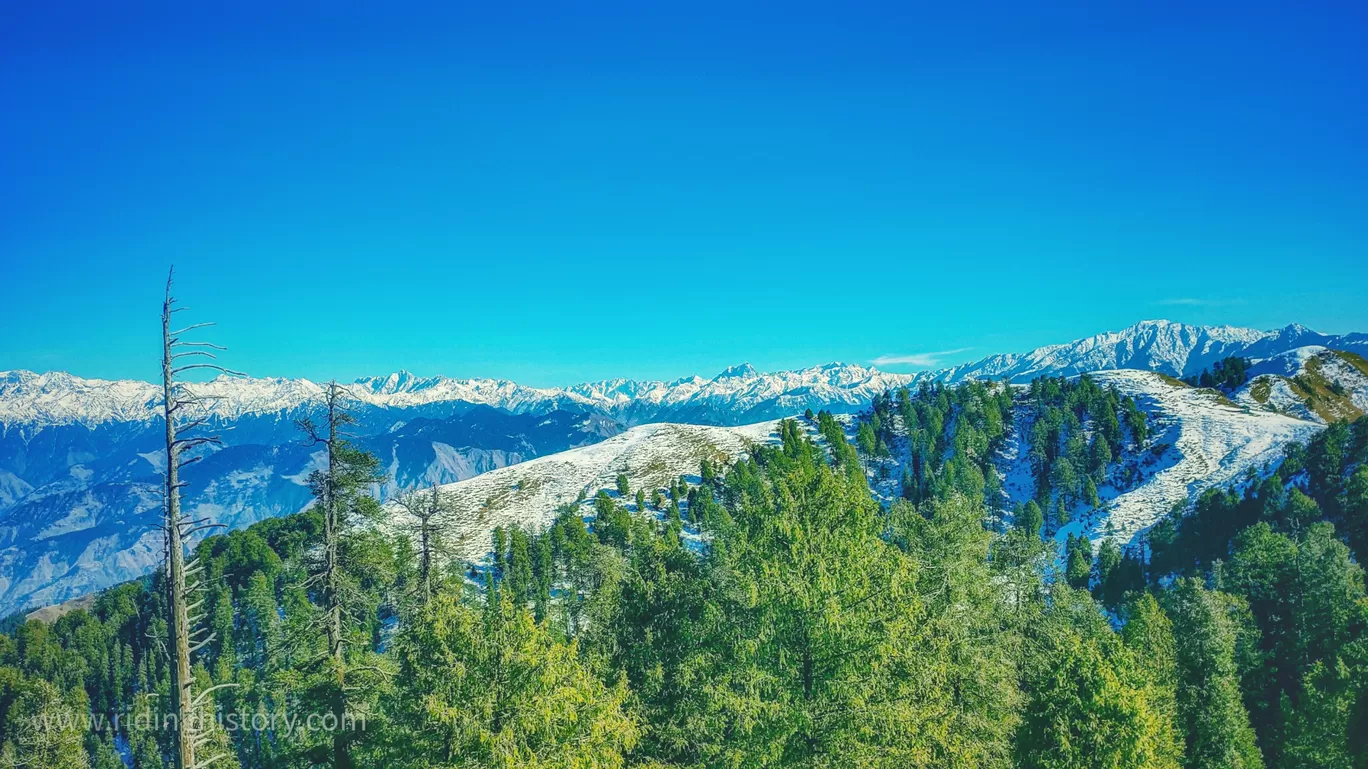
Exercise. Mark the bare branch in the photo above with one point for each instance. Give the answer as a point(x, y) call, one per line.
point(202, 695)
point(179, 343)
point(189, 353)
point(218, 368)
point(192, 327)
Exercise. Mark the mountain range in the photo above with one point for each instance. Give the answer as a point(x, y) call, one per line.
point(80, 459)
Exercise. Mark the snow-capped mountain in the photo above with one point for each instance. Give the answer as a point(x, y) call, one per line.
point(1171, 348)
point(79, 506)
point(738, 395)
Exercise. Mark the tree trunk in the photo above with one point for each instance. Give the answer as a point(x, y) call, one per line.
point(181, 681)
point(426, 563)
point(332, 586)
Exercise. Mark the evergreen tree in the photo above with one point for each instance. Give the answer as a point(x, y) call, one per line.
point(493, 688)
point(341, 491)
point(1078, 565)
point(1215, 723)
point(1091, 702)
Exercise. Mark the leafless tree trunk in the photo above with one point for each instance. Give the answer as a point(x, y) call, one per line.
point(428, 521)
point(181, 583)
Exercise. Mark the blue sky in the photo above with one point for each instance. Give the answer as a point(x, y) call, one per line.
point(564, 192)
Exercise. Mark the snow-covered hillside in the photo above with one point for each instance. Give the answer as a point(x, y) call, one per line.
point(1310, 383)
point(83, 516)
point(1199, 439)
point(651, 456)
point(80, 458)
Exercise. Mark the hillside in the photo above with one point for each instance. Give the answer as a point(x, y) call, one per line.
point(83, 515)
point(1176, 349)
point(1194, 439)
point(1199, 441)
point(1310, 383)
point(527, 495)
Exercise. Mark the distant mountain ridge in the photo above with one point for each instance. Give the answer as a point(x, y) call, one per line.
point(1176, 349)
point(738, 395)
point(42, 400)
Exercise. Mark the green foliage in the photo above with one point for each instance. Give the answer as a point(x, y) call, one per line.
point(791, 620)
point(1094, 703)
point(1063, 460)
point(1227, 374)
point(1215, 723)
point(1078, 562)
point(493, 688)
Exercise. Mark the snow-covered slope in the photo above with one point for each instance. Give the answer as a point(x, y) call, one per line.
point(1199, 439)
point(85, 517)
point(1309, 383)
point(80, 458)
point(651, 456)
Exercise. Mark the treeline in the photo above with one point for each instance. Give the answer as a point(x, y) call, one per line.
point(1067, 464)
point(946, 439)
point(1227, 374)
point(775, 615)
point(943, 437)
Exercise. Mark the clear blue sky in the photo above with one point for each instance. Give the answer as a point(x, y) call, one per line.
point(556, 193)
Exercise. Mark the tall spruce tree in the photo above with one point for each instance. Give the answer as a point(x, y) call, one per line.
point(341, 491)
point(1215, 723)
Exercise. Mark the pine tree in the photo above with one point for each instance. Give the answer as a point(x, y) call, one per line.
point(43, 729)
point(1215, 724)
point(1029, 519)
point(341, 491)
point(1091, 704)
point(1078, 566)
point(493, 688)
point(1148, 633)
point(824, 629)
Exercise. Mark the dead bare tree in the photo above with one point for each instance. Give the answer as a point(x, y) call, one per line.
point(428, 517)
point(184, 412)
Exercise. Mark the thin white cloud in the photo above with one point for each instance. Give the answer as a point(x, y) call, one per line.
point(922, 359)
point(1188, 301)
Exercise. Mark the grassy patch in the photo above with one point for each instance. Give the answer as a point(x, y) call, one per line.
point(1173, 381)
point(1321, 395)
point(1353, 359)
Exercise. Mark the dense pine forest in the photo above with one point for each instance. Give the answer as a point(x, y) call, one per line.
point(780, 611)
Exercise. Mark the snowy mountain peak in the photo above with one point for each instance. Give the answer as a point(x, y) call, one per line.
point(1177, 349)
point(743, 371)
point(399, 381)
